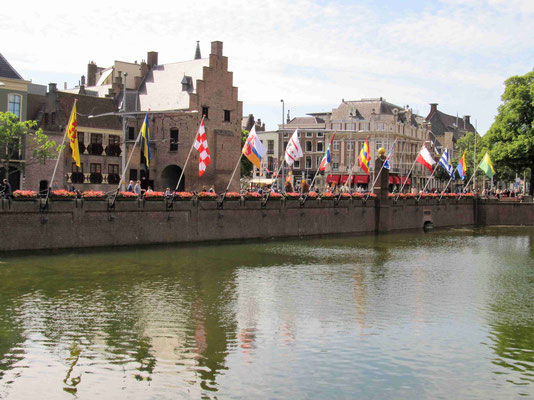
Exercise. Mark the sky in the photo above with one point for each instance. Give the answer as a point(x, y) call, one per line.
point(312, 54)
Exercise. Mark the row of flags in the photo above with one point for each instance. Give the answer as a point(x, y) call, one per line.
point(254, 151)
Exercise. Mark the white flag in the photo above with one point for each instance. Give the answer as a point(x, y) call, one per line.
point(293, 149)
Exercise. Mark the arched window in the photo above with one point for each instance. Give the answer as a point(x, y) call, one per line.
point(14, 104)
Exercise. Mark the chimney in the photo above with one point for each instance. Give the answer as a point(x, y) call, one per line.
point(197, 52)
point(152, 58)
point(83, 80)
point(433, 107)
point(82, 89)
point(144, 69)
point(217, 48)
point(65, 85)
point(91, 74)
point(52, 87)
point(467, 120)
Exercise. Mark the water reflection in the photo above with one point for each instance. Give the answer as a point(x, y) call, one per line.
point(373, 316)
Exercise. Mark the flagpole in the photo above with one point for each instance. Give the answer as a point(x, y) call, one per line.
point(407, 176)
point(125, 169)
point(272, 183)
point(381, 168)
point(59, 156)
point(445, 188)
point(475, 160)
point(311, 185)
point(427, 182)
point(231, 178)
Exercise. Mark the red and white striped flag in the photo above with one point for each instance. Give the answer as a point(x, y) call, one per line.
point(201, 144)
point(425, 158)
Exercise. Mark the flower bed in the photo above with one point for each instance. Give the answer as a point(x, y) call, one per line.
point(233, 196)
point(206, 196)
point(345, 196)
point(406, 196)
point(62, 195)
point(93, 195)
point(154, 196)
point(275, 196)
point(126, 196)
point(253, 196)
point(311, 195)
point(357, 195)
point(328, 196)
point(183, 196)
point(292, 196)
point(24, 195)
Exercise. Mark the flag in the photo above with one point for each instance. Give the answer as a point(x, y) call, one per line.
point(72, 132)
point(424, 158)
point(365, 157)
point(487, 166)
point(201, 144)
point(445, 162)
point(387, 164)
point(293, 149)
point(145, 144)
point(327, 158)
point(254, 149)
point(461, 167)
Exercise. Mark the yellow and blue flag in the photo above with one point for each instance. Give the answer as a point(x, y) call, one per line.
point(145, 141)
point(365, 157)
point(254, 149)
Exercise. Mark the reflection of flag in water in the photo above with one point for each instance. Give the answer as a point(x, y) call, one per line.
point(445, 162)
point(327, 158)
point(365, 157)
point(254, 149)
point(387, 164)
point(461, 167)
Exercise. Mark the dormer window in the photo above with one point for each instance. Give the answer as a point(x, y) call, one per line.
point(187, 84)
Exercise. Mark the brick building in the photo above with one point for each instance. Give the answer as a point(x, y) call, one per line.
point(177, 95)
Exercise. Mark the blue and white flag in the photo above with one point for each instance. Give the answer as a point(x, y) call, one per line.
point(387, 164)
point(445, 162)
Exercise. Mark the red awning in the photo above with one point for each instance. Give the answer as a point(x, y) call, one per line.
point(396, 180)
point(344, 178)
point(406, 181)
point(333, 178)
point(360, 179)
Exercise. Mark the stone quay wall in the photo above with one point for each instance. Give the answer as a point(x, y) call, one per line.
point(76, 223)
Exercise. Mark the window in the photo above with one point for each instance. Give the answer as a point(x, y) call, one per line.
point(81, 137)
point(14, 104)
point(75, 168)
point(378, 144)
point(174, 140)
point(364, 126)
point(96, 138)
point(270, 147)
point(131, 133)
point(53, 118)
point(335, 145)
point(320, 146)
point(308, 162)
point(205, 111)
point(319, 159)
point(286, 134)
point(335, 166)
point(46, 118)
point(226, 115)
point(113, 169)
point(114, 140)
point(133, 174)
point(285, 146)
point(350, 145)
point(308, 146)
point(296, 164)
point(270, 163)
point(320, 134)
point(309, 134)
point(380, 126)
point(96, 168)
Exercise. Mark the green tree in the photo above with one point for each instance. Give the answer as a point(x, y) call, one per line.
point(15, 135)
point(511, 136)
point(246, 165)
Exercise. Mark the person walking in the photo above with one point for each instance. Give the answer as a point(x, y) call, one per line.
point(130, 187)
point(6, 190)
point(137, 189)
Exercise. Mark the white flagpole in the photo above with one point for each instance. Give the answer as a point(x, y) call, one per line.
point(445, 188)
point(427, 182)
point(408, 175)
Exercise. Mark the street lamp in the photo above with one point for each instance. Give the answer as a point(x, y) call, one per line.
point(282, 141)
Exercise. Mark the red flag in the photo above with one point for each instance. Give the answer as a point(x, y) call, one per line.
point(424, 158)
point(201, 144)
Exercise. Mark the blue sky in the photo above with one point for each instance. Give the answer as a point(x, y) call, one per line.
point(310, 53)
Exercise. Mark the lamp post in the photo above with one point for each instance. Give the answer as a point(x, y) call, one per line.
point(282, 141)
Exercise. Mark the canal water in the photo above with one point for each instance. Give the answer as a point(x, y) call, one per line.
point(447, 314)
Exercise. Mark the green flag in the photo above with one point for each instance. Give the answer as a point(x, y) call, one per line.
point(487, 166)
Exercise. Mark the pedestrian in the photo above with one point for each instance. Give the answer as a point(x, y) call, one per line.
point(212, 189)
point(130, 187)
point(168, 192)
point(149, 190)
point(6, 190)
point(137, 189)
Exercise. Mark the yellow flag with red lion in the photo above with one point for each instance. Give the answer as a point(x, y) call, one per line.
point(72, 132)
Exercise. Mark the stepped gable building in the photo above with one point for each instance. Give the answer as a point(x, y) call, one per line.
point(447, 129)
point(177, 95)
point(99, 143)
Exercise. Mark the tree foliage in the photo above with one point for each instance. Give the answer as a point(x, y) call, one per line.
point(16, 135)
point(511, 136)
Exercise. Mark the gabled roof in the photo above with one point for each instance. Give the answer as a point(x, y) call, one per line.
point(442, 123)
point(7, 71)
point(162, 87)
